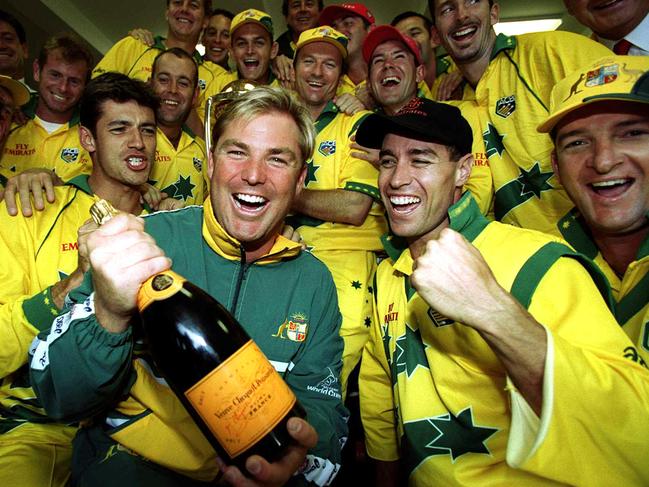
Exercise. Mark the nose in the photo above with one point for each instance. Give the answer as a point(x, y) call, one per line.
point(136, 140)
point(254, 172)
point(400, 175)
point(605, 156)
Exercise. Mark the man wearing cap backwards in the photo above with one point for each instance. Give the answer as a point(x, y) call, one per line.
point(338, 213)
point(510, 79)
point(395, 68)
point(599, 122)
point(493, 359)
point(622, 26)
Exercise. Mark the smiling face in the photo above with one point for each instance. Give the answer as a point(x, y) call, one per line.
point(465, 28)
point(255, 172)
point(418, 183)
point(123, 145)
point(354, 28)
point(318, 67)
point(13, 53)
point(610, 19)
point(216, 39)
point(252, 50)
point(393, 76)
point(602, 159)
point(174, 82)
point(186, 19)
point(302, 15)
point(60, 86)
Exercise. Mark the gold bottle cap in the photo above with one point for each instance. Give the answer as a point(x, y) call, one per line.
point(102, 211)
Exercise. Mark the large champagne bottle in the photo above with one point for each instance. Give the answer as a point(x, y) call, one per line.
point(225, 382)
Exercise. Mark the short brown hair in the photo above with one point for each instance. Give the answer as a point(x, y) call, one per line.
point(72, 49)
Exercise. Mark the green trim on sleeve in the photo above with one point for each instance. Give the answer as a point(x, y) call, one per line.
point(40, 310)
point(363, 188)
point(530, 275)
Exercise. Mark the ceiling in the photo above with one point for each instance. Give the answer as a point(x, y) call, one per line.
point(103, 22)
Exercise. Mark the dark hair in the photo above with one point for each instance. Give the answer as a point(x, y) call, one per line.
point(181, 54)
point(285, 6)
point(72, 50)
point(207, 6)
point(17, 26)
point(406, 15)
point(223, 12)
point(431, 7)
point(116, 87)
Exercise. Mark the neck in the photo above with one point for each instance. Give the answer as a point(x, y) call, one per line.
point(431, 70)
point(254, 251)
point(172, 132)
point(417, 245)
point(394, 109)
point(123, 197)
point(48, 115)
point(186, 44)
point(620, 250)
point(356, 68)
point(473, 69)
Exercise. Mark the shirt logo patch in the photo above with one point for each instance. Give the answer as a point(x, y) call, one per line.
point(294, 328)
point(438, 318)
point(506, 106)
point(602, 76)
point(327, 386)
point(202, 84)
point(70, 154)
point(198, 164)
point(327, 148)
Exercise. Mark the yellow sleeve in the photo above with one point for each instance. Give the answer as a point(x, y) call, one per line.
point(356, 174)
point(117, 58)
point(594, 421)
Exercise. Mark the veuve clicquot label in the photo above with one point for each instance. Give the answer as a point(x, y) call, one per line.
point(241, 400)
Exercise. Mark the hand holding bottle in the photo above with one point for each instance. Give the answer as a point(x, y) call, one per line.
point(122, 257)
point(267, 474)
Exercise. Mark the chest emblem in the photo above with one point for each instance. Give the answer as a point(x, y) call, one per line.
point(506, 106)
point(327, 147)
point(70, 154)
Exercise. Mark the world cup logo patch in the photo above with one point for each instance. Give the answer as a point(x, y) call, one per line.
point(327, 148)
point(70, 154)
point(198, 164)
point(506, 106)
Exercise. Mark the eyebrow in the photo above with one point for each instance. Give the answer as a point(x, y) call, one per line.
point(411, 152)
point(244, 146)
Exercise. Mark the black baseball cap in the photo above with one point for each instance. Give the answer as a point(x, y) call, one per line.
point(420, 119)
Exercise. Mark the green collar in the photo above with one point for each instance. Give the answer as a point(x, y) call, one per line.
point(328, 113)
point(503, 43)
point(574, 230)
point(464, 217)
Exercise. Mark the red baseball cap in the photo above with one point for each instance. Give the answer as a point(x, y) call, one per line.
point(382, 33)
point(334, 12)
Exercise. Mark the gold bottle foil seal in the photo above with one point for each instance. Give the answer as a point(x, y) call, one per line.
point(102, 211)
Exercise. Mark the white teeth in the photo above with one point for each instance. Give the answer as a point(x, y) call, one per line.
point(58, 97)
point(315, 84)
point(464, 32)
point(606, 184)
point(134, 160)
point(170, 102)
point(250, 198)
point(390, 79)
point(404, 200)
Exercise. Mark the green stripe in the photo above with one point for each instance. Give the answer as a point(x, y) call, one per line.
point(633, 302)
point(576, 234)
point(357, 124)
point(509, 197)
point(363, 188)
point(530, 275)
point(300, 220)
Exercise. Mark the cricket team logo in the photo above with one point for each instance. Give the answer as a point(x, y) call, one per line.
point(70, 154)
point(198, 164)
point(506, 106)
point(202, 84)
point(327, 148)
point(295, 328)
point(602, 76)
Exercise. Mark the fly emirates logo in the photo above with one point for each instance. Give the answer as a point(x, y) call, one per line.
point(22, 150)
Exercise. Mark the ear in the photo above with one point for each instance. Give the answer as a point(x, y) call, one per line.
point(555, 164)
point(87, 139)
point(197, 92)
point(36, 70)
point(210, 164)
point(434, 36)
point(274, 50)
point(494, 13)
point(300, 181)
point(25, 50)
point(463, 170)
point(420, 73)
